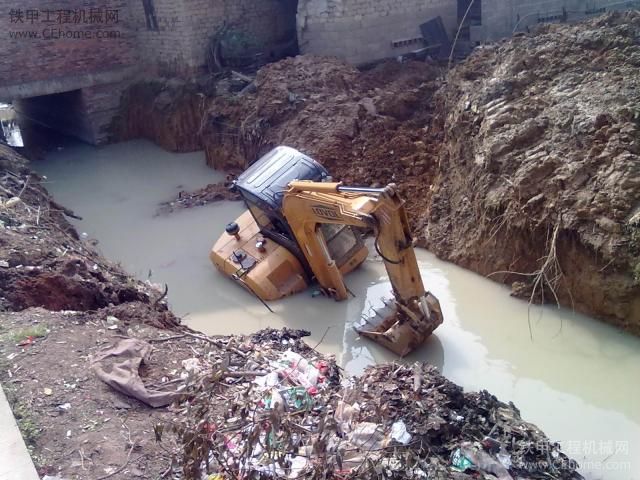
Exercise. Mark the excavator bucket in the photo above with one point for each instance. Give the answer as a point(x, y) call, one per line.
point(400, 328)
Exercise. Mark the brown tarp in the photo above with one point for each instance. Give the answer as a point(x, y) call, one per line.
point(118, 367)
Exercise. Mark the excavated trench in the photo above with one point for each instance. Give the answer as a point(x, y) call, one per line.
point(573, 376)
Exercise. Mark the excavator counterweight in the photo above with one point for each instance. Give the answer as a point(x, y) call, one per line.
point(304, 228)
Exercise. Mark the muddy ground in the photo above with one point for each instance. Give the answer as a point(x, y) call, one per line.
point(521, 163)
point(75, 426)
point(63, 305)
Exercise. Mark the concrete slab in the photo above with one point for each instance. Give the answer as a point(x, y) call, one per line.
point(15, 461)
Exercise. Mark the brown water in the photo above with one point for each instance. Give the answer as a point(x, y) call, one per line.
point(578, 379)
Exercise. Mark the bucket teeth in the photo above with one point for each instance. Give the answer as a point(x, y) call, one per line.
point(399, 328)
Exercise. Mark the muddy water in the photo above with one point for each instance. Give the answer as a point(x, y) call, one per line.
point(576, 378)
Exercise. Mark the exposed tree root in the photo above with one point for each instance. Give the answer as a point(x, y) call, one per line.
point(548, 275)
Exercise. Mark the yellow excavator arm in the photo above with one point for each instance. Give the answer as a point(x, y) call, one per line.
point(415, 313)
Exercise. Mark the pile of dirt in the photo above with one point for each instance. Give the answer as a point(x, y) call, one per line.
point(539, 172)
point(43, 262)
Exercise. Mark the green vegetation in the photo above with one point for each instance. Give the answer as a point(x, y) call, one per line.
point(36, 331)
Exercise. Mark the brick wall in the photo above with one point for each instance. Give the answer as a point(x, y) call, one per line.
point(364, 30)
point(500, 18)
point(177, 42)
point(91, 43)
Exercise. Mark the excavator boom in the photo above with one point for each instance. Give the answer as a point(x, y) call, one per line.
point(414, 313)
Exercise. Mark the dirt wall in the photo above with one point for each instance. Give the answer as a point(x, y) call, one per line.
point(540, 169)
point(166, 111)
point(365, 127)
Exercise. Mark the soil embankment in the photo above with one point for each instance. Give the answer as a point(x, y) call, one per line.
point(166, 111)
point(539, 170)
point(522, 163)
point(365, 127)
point(85, 350)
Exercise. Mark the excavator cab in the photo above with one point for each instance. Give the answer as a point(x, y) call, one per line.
point(260, 250)
point(302, 227)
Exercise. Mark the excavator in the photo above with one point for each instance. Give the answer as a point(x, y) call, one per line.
point(301, 227)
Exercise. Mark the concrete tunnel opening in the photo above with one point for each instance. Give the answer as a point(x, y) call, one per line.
point(54, 115)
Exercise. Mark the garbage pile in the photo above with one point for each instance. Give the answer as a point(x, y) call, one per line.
point(272, 407)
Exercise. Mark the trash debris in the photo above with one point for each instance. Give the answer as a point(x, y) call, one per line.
point(300, 419)
point(13, 201)
point(345, 414)
point(469, 456)
point(64, 407)
point(459, 462)
point(192, 365)
point(27, 341)
point(47, 391)
point(367, 435)
point(399, 433)
point(213, 192)
point(491, 444)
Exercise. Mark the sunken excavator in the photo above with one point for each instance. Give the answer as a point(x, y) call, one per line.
point(301, 227)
